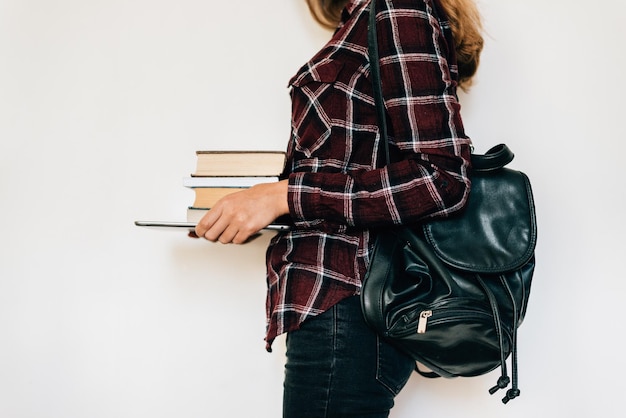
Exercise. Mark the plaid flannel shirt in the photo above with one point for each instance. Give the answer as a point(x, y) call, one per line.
point(339, 187)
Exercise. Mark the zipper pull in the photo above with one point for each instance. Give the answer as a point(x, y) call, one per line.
point(421, 325)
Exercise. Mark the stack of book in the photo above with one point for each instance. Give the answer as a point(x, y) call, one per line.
point(219, 173)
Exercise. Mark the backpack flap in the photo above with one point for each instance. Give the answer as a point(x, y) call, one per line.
point(497, 231)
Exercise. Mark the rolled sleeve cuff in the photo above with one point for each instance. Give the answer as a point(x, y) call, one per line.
point(304, 201)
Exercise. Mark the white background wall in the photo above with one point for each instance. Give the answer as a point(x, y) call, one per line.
point(102, 106)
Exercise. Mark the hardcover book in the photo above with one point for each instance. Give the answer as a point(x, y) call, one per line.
point(239, 163)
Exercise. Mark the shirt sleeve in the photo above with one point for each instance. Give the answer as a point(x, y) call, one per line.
point(430, 152)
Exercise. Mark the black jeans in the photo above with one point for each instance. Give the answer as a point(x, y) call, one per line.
point(338, 367)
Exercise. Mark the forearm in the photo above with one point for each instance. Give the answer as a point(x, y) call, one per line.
point(404, 192)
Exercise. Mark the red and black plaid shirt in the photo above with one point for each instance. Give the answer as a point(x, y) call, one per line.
point(339, 187)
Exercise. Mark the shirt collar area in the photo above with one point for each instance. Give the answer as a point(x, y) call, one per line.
point(352, 4)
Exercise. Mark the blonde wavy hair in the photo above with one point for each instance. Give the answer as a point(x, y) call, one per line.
point(464, 19)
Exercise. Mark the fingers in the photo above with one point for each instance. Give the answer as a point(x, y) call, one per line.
point(228, 236)
point(239, 216)
point(225, 229)
point(213, 229)
point(207, 222)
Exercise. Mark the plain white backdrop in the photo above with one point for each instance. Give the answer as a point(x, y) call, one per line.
point(102, 106)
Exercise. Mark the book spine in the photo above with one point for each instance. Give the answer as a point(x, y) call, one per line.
point(207, 197)
point(194, 214)
point(210, 181)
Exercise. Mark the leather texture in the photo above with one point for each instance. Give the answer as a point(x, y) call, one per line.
point(471, 273)
point(497, 231)
point(452, 293)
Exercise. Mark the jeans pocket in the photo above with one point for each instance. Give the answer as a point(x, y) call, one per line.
point(394, 367)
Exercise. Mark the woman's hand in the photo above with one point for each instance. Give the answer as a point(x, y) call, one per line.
point(237, 217)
